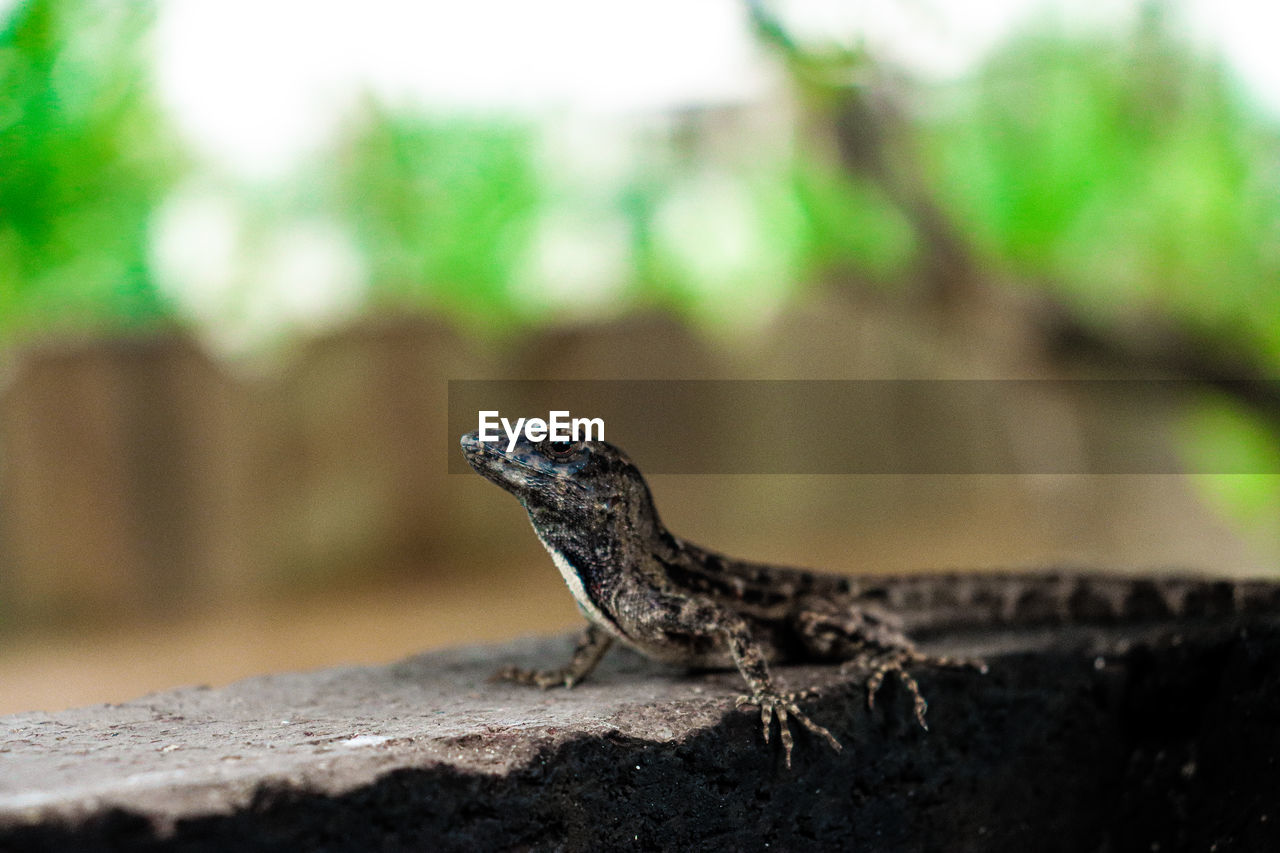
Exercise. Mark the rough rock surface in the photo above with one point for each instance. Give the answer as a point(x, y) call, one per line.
point(1076, 740)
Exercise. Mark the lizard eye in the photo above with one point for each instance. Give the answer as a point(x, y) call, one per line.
point(558, 449)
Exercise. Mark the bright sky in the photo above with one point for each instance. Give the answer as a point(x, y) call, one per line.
point(256, 82)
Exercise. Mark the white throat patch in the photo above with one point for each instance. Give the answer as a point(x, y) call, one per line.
point(574, 582)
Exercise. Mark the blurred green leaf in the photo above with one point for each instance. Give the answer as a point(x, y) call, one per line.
point(1125, 172)
point(86, 158)
point(1222, 437)
point(851, 225)
point(445, 210)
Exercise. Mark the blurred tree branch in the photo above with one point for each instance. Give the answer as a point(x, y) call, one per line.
point(874, 139)
point(1153, 99)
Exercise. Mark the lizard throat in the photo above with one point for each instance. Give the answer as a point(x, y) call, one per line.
point(573, 580)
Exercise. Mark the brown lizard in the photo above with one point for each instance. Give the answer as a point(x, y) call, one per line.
point(675, 601)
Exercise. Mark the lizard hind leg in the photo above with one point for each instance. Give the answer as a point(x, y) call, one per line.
point(869, 637)
point(894, 660)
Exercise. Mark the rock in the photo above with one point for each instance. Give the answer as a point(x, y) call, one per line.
point(1075, 740)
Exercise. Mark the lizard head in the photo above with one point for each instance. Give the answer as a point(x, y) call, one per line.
point(574, 479)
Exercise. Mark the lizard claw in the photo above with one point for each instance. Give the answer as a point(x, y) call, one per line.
point(896, 662)
point(784, 707)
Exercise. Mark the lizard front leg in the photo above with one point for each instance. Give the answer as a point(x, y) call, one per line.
point(592, 644)
point(750, 661)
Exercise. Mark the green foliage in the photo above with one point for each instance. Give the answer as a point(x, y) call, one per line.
point(84, 161)
point(1127, 174)
point(1124, 172)
point(1242, 452)
point(850, 225)
point(447, 213)
point(444, 210)
point(726, 244)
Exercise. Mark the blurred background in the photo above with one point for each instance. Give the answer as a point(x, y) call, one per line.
point(245, 245)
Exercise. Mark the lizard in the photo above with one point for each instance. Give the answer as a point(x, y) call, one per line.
point(639, 585)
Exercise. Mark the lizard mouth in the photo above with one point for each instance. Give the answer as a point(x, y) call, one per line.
point(490, 461)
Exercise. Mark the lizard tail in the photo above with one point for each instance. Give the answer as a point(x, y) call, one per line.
point(958, 599)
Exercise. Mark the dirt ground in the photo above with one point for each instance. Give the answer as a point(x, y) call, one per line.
point(385, 622)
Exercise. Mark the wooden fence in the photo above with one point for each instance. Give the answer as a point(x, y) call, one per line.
point(140, 476)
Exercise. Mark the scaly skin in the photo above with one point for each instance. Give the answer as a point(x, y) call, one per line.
point(674, 601)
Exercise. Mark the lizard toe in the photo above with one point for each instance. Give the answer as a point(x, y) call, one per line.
point(783, 707)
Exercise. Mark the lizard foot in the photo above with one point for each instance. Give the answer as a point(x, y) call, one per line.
point(544, 678)
point(784, 707)
point(896, 661)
